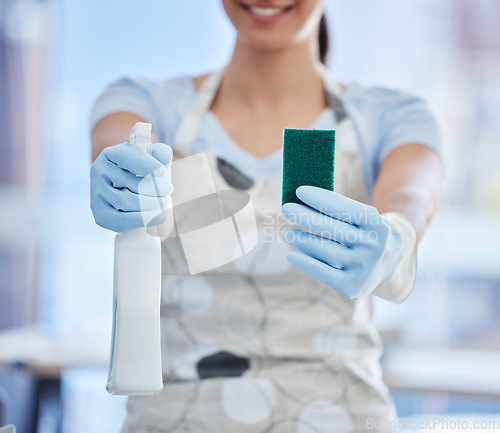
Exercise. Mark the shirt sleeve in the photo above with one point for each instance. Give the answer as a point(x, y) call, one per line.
point(408, 120)
point(126, 94)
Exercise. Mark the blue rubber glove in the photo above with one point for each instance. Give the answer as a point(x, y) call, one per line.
point(352, 249)
point(129, 188)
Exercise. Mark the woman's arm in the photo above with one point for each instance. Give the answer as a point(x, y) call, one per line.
point(113, 129)
point(409, 183)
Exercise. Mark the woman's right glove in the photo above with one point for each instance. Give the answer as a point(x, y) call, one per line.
point(129, 188)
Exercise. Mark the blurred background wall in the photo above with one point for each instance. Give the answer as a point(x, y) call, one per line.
point(442, 344)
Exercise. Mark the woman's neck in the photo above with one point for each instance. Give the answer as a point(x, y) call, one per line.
point(273, 80)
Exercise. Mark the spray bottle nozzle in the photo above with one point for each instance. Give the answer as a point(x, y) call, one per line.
point(141, 136)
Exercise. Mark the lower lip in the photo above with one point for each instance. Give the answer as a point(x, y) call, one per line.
point(266, 19)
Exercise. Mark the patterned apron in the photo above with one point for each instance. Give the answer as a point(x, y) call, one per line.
point(255, 345)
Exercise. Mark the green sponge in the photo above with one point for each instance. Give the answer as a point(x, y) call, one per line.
point(308, 159)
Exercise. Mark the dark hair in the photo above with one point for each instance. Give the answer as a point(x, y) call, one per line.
point(323, 40)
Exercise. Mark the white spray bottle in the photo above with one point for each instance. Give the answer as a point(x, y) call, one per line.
point(135, 364)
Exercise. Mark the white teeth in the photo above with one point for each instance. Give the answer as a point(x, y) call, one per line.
point(266, 11)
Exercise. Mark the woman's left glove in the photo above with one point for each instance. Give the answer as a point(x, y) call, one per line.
point(352, 248)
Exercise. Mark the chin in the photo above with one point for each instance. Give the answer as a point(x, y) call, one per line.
point(266, 42)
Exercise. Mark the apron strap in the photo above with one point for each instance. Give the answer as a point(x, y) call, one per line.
point(334, 92)
point(191, 121)
point(331, 85)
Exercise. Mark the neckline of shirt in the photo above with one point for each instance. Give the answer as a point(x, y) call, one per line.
point(257, 166)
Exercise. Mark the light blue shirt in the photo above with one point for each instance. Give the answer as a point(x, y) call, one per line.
point(383, 119)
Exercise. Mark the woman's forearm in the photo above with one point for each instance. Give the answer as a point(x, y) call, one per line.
point(410, 184)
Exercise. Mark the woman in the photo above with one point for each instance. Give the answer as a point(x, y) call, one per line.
point(258, 345)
